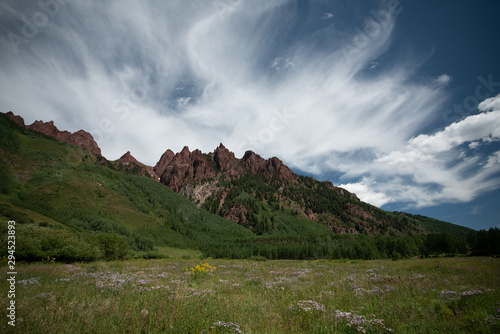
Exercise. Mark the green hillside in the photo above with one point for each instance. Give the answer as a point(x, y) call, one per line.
point(434, 225)
point(263, 204)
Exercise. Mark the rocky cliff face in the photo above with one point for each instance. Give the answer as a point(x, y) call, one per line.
point(165, 159)
point(131, 165)
point(182, 169)
point(16, 119)
point(82, 139)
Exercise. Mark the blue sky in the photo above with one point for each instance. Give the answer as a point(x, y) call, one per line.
point(397, 101)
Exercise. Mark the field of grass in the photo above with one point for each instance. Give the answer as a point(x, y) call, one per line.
point(182, 295)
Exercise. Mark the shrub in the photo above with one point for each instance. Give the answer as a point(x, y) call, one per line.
point(8, 138)
point(113, 246)
point(34, 243)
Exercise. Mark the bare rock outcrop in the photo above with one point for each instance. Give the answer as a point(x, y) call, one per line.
point(81, 138)
point(132, 165)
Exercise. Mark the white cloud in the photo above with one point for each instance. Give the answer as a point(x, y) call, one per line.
point(147, 76)
point(365, 192)
point(493, 161)
point(443, 79)
point(484, 126)
point(492, 103)
point(436, 169)
point(182, 101)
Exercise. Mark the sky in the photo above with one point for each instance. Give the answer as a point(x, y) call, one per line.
point(396, 101)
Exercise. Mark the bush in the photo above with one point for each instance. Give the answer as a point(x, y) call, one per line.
point(109, 226)
point(34, 243)
point(8, 138)
point(7, 181)
point(113, 246)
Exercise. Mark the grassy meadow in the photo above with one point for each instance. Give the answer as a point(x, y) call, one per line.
point(188, 295)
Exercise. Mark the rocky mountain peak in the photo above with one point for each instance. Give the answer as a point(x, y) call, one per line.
point(16, 119)
point(128, 158)
point(81, 138)
point(185, 151)
point(132, 165)
point(85, 141)
point(253, 161)
point(283, 171)
point(223, 158)
point(49, 129)
point(183, 168)
point(165, 159)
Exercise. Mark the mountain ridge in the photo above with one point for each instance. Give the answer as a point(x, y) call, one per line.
point(80, 138)
point(248, 190)
point(77, 206)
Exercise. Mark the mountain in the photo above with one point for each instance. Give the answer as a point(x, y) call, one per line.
point(73, 203)
point(252, 191)
point(81, 138)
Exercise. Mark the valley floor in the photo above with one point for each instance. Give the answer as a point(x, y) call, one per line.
point(446, 295)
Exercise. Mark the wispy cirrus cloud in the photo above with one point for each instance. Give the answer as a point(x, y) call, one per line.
point(299, 83)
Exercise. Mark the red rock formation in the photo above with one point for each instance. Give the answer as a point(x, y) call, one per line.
point(184, 168)
point(131, 164)
point(223, 158)
point(163, 162)
point(284, 173)
point(81, 138)
point(227, 163)
point(127, 158)
point(181, 169)
point(254, 162)
point(85, 141)
point(16, 119)
point(49, 129)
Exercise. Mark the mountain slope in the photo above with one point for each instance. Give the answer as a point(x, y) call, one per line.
point(255, 192)
point(76, 205)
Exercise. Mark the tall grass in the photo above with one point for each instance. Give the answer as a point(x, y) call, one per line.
point(452, 295)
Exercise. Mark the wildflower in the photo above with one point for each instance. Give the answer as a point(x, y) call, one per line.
point(471, 293)
point(33, 280)
point(62, 279)
point(233, 328)
point(204, 268)
point(44, 294)
point(307, 306)
point(361, 323)
point(448, 294)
